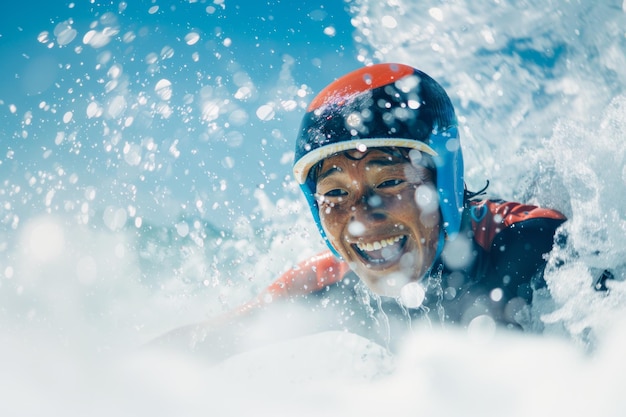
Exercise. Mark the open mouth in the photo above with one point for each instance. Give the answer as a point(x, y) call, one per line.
point(381, 251)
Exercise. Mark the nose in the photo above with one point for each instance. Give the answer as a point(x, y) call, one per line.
point(369, 208)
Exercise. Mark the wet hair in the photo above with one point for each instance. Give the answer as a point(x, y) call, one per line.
point(474, 195)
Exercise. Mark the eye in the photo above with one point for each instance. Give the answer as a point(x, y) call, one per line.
point(331, 197)
point(390, 183)
point(337, 192)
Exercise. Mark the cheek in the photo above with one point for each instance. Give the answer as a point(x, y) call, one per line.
point(408, 207)
point(430, 220)
point(333, 226)
point(332, 220)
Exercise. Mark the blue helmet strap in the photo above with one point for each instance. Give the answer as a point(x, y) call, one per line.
point(309, 194)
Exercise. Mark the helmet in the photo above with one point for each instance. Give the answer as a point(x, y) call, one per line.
point(379, 106)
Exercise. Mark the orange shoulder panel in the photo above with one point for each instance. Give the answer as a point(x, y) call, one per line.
point(309, 276)
point(490, 217)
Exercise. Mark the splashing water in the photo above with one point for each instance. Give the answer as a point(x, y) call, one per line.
point(145, 185)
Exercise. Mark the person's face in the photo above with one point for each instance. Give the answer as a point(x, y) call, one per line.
point(380, 212)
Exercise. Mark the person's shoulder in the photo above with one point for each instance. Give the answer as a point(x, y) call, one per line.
point(308, 276)
point(493, 216)
point(509, 212)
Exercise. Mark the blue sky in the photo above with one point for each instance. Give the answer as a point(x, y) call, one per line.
point(49, 85)
point(260, 31)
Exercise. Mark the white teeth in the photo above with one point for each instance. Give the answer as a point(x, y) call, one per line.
point(368, 247)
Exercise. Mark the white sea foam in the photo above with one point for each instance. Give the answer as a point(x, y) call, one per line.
point(100, 253)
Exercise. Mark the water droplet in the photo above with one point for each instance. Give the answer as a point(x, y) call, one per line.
point(64, 33)
point(265, 112)
point(436, 13)
point(132, 154)
point(482, 327)
point(182, 229)
point(412, 295)
point(94, 110)
point(389, 22)
point(330, 31)
point(356, 228)
point(458, 253)
point(192, 38)
point(163, 88)
point(114, 218)
point(426, 199)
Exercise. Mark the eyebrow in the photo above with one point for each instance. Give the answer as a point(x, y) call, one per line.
point(384, 162)
point(373, 163)
point(328, 173)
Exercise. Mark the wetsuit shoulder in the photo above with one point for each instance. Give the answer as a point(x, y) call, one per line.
point(492, 217)
point(309, 276)
point(515, 238)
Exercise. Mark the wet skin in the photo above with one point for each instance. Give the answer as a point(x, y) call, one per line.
point(379, 212)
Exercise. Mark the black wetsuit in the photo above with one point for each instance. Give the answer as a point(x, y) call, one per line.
point(498, 261)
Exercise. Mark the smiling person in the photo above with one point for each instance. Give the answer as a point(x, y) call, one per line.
point(370, 210)
point(379, 160)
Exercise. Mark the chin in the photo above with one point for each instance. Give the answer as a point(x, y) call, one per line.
point(390, 282)
point(389, 285)
point(390, 277)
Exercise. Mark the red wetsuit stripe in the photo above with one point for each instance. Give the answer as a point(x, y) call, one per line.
point(309, 276)
point(490, 217)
